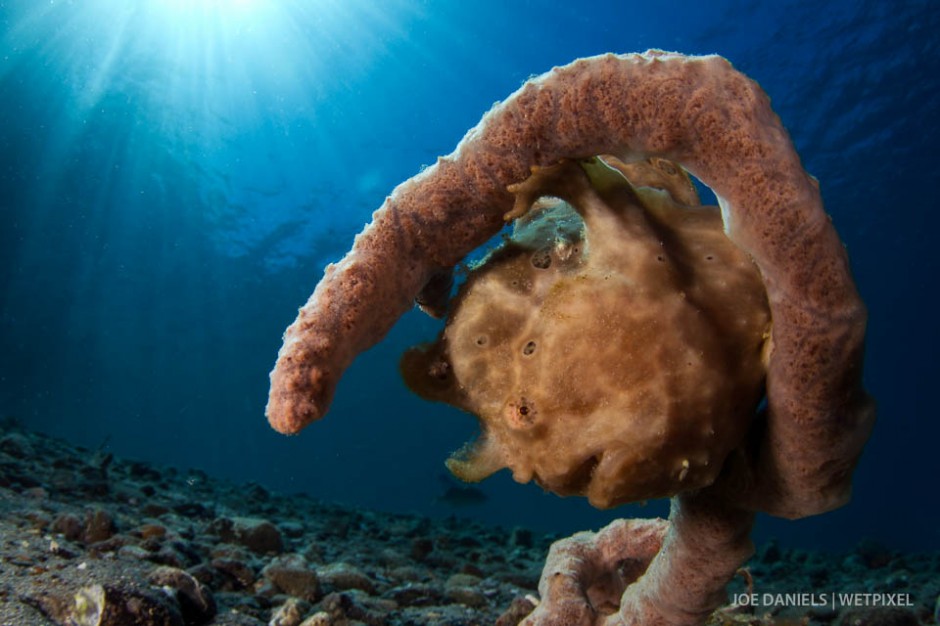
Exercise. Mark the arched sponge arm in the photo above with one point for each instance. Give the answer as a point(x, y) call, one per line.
point(697, 111)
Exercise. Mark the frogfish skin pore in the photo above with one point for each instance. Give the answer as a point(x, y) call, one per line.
point(613, 346)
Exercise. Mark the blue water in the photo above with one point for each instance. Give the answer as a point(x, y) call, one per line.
point(175, 175)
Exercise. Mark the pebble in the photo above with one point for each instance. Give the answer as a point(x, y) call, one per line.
point(238, 574)
point(291, 574)
point(288, 614)
point(99, 526)
point(69, 526)
point(258, 535)
point(109, 605)
point(320, 618)
point(517, 611)
point(415, 594)
point(343, 576)
point(196, 602)
point(152, 531)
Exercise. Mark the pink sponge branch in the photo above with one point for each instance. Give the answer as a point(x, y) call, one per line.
point(646, 572)
point(697, 111)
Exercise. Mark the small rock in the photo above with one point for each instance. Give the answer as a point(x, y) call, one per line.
point(472, 570)
point(320, 618)
point(100, 605)
point(415, 594)
point(236, 572)
point(238, 603)
point(258, 535)
point(343, 606)
point(166, 556)
point(291, 574)
point(186, 550)
point(343, 576)
point(99, 526)
point(462, 580)
point(61, 551)
point(133, 552)
point(195, 600)
point(151, 531)
point(391, 557)
point(313, 553)
point(466, 596)
point(288, 614)
point(408, 573)
point(421, 548)
point(68, 526)
point(152, 509)
point(38, 519)
point(518, 610)
point(113, 544)
point(205, 573)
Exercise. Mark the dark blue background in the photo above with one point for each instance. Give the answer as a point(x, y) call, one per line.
point(173, 181)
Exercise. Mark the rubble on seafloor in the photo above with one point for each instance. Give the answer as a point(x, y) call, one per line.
point(88, 539)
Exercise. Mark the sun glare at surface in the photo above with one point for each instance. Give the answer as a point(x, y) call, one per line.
point(214, 9)
point(209, 83)
point(182, 59)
